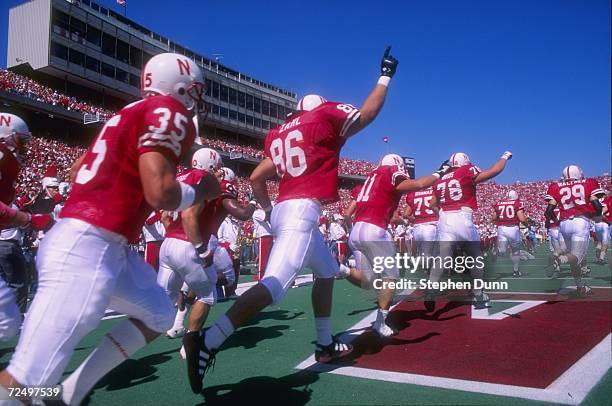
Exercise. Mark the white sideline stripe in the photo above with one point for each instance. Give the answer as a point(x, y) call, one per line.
point(570, 388)
point(524, 305)
point(581, 377)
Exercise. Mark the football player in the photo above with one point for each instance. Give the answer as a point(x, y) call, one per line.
point(85, 264)
point(607, 217)
point(190, 252)
point(601, 232)
point(369, 237)
point(507, 215)
point(557, 242)
point(425, 218)
point(576, 198)
point(304, 153)
point(14, 137)
point(455, 194)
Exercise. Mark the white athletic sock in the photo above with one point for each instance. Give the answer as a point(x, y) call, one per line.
point(116, 346)
point(179, 319)
point(218, 333)
point(382, 315)
point(602, 255)
point(323, 326)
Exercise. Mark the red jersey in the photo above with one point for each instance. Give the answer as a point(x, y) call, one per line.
point(107, 191)
point(420, 203)
point(378, 198)
point(507, 212)
point(305, 151)
point(607, 202)
point(457, 189)
point(211, 216)
point(9, 170)
point(573, 197)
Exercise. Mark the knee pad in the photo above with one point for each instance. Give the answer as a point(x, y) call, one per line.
point(276, 288)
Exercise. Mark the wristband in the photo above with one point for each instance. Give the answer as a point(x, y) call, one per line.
point(188, 194)
point(437, 175)
point(384, 80)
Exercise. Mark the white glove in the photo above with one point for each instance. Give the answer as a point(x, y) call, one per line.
point(506, 155)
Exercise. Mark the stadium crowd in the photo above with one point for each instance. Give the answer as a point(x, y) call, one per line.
point(24, 86)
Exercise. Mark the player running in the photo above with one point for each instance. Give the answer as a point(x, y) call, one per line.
point(369, 239)
point(304, 153)
point(425, 217)
point(576, 198)
point(14, 138)
point(602, 232)
point(455, 194)
point(190, 253)
point(508, 214)
point(84, 262)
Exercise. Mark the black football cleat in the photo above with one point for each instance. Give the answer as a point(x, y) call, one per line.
point(199, 359)
point(333, 351)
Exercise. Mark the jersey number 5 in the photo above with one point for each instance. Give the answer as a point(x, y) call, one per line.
point(87, 173)
point(287, 158)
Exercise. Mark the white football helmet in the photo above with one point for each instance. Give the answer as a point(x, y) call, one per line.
point(207, 159)
point(310, 102)
point(391, 160)
point(177, 76)
point(14, 132)
point(512, 195)
point(572, 172)
point(459, 159)
point(228, 174)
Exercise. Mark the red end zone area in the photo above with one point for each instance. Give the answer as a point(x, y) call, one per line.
point(539, 350)
point(531, 351)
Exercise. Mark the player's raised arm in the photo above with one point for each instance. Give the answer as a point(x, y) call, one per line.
point(494, 170)
point(163, 192)
point(424, 181)
point(264, 171)
point(374, 102)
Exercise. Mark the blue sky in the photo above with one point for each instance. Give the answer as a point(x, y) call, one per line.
point(477, 76)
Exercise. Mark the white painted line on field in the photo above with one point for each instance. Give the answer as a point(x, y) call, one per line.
point(571, 387)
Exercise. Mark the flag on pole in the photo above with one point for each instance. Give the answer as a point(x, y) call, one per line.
point(386, 139)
